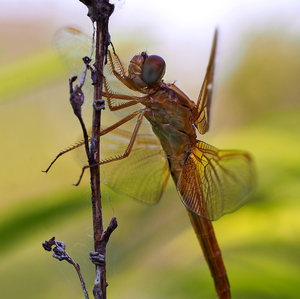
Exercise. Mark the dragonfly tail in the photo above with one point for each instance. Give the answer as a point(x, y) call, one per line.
point(207, 239)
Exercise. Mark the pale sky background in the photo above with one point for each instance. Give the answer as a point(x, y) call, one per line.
point(173, 18)
point(164, 13)
point(182, 25)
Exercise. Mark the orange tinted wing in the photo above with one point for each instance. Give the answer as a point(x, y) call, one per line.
point(205, 96)
point(213, 182)
point(143, 175)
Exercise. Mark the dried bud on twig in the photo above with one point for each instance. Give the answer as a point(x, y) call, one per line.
point(48, 244)
point(61, 254)
point(76, 97)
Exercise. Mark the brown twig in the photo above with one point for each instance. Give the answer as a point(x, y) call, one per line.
point(99, 11)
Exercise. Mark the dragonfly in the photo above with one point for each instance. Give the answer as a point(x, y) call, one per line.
point(210, 182)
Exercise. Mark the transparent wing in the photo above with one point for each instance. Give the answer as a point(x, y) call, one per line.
point(213, 182)
point(143, 175)
point(205, 96)
point(71, 45)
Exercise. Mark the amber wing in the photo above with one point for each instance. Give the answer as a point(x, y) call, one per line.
point(213, 182)
point(205, 96)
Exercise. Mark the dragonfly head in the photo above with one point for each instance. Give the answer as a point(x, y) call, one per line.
point(146, 70)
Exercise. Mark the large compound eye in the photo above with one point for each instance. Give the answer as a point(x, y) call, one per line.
point(153, 69)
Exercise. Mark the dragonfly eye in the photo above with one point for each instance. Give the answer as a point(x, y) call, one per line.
point(153, 69)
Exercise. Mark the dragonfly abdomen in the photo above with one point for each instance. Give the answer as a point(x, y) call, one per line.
point(212, 253)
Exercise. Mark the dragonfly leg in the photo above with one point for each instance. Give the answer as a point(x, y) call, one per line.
point(64, 152)
point(140, 114)
point(133, 100)
point(118, 61)
point(121, 122)
point(103, 132)
point(120, 76)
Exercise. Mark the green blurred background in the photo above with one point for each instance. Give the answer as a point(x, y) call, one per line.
point(153, 253)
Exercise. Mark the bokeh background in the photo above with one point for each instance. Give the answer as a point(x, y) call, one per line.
point(153, 253)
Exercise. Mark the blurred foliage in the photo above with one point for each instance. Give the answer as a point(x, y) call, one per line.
point(265, 80)
point(39, 68)
point(153, 253)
